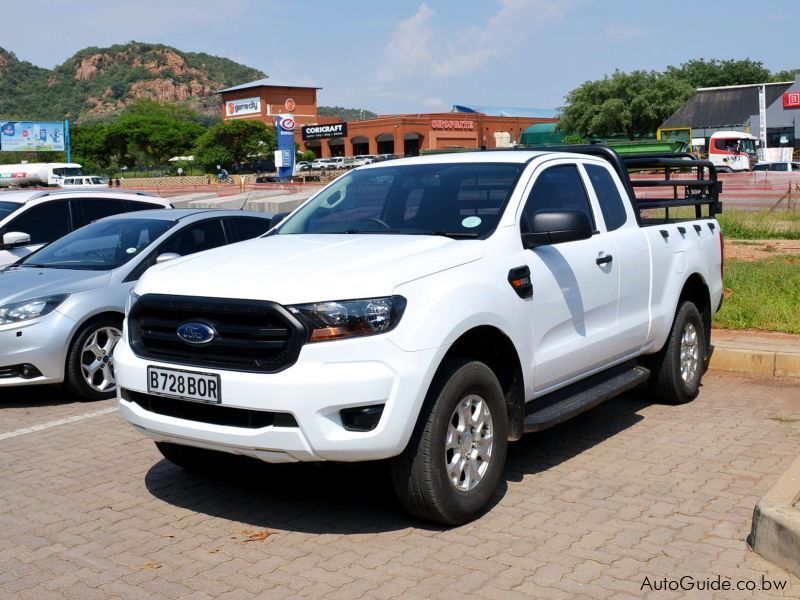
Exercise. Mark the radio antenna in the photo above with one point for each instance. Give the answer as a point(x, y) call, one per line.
point(246, 200)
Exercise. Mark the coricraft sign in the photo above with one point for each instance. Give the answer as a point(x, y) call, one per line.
point(316, 132)
point(791, 100)
point(245, 106)
point(452, 124)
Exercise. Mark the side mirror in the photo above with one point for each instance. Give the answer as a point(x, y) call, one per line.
point(166, 257)
point(277, 218)
point(12, 239)
point(547, 227)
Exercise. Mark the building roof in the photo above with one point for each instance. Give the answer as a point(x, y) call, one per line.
point(507, 111)
point(267, 82)
point(723, 106)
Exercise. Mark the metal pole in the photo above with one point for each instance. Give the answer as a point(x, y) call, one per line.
point(67, 141)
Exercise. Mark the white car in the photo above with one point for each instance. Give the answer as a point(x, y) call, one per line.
point(776, 167)
point(29, 220)
point(86, 181)
point(427, 310)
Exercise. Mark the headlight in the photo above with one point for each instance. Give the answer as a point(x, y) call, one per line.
point(30, 309)
point(350, 318)
point(133, 297)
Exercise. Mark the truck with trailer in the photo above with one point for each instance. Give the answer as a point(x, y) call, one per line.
point(428, 311)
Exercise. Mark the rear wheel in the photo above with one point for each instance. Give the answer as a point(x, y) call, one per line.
point(677, 369)
point(453, 463)
point(90, 361)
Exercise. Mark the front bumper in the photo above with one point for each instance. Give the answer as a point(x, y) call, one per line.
point(327, 377)
point(41, 342)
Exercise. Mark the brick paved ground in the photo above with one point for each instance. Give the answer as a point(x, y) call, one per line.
point(632, 489)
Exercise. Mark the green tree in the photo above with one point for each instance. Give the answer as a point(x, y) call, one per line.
point(633, 104)
point(92, 146)
point(235, 142)
point(713, 73)
point(787, 75)
point(156, 130)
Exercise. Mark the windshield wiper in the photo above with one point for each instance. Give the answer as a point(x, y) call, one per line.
point(454, 234)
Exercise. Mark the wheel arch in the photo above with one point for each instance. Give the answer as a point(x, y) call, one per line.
point(695, 289)
point(491, 346)
point(81, 325)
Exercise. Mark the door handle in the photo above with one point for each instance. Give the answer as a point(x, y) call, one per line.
point(604, 260)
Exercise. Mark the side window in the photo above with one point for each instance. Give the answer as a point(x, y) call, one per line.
point(43, 222)
point(133, 205)
point(611, 203)
point(248, 227)
point(97, 208)
point(558, 188)
point(195, 238)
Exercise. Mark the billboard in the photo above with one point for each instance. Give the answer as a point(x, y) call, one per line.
point(31, 136)
point(245, 106)
point(318, 132)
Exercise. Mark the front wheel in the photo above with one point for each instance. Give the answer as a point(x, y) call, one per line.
point(454, 461)
point(677, 369)
point(90, 361)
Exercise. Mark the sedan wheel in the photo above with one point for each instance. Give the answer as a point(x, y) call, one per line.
point(97, 359)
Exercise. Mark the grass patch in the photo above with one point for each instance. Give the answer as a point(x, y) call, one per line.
point(744, 225)
point(782, 419)
point(762, 294)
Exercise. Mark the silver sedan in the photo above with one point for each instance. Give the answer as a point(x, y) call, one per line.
point(61, 308)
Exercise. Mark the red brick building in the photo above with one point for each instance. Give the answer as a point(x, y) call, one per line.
point(405, 135)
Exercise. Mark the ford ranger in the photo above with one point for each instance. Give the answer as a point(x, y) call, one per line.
point(428, 311)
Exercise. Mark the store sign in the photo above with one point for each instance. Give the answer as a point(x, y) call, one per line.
point(791, 100)
point(318, 132)
point(290, 104)
point(245, 106)
point(453, 124)
point(25, 136)
point(285, 129)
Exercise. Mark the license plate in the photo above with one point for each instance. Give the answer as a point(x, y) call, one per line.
point(186, 385)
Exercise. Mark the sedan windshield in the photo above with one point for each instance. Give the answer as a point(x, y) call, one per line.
point(459, 200)
point(101, 246)
point(6, 208)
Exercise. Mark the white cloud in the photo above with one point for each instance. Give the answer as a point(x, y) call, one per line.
point(626, 31)
point(414, 47)
point(435, 103)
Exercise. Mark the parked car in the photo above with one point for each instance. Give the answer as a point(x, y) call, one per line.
point(303, 165)
point(319, 163)
point(28, 220)
point(61, 307)
point(428, 310)
point(85, 181)
point(785, 167)
point(363, 159)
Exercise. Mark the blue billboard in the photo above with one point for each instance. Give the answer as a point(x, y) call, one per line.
point(285, 129)
point(32, 136)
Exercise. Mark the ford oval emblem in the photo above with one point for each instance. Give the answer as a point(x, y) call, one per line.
point(196, 333)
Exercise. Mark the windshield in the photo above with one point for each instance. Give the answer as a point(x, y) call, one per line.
point(455, 199)
point(6, 208)
point(101, 246)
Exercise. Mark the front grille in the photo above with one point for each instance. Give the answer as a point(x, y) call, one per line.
point(210, 413)
point(252, 335)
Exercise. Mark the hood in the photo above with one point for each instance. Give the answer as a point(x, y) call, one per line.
point(290, 269)
point(23, 283)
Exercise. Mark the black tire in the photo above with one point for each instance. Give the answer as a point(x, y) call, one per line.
point(419, 474)
point(197, 460)
point(74, 379)
point(666, 380)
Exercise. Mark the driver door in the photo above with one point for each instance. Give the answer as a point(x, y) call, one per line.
point(575, 285)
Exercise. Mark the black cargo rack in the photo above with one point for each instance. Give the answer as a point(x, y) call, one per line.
point(701, 187)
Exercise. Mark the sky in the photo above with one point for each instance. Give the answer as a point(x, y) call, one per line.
point(407, 56)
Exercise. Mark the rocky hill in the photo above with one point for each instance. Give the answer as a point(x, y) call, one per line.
point(97, 82)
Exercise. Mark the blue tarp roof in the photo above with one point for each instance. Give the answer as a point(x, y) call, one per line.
point(267, 81)
point(507, 111)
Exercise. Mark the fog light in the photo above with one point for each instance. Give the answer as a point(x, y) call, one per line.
point(30, 372)
point(361, 418)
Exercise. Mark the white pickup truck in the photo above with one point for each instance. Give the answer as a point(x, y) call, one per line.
point(428, 311)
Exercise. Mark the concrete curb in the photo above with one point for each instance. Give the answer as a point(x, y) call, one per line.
point(777, 355)
point(775, 533)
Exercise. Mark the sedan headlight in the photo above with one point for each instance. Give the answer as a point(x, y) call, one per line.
point(30, 309)
point(133, 297)
point(350, 318)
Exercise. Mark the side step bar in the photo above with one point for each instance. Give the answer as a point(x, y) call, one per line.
point(563, 404)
